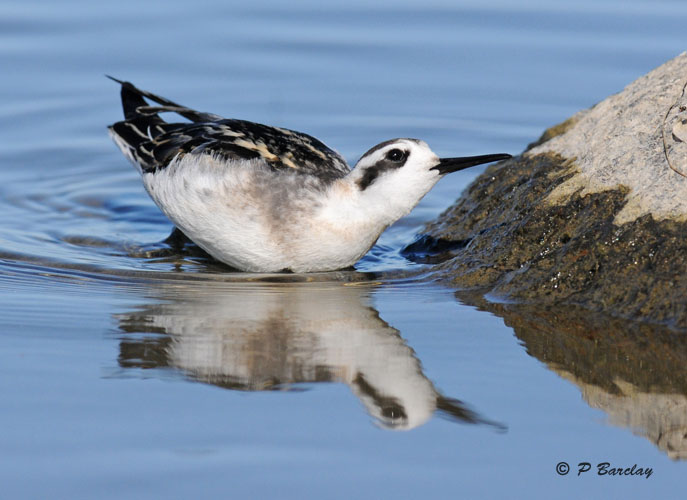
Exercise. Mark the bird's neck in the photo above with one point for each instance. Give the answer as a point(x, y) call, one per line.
point(370, 208)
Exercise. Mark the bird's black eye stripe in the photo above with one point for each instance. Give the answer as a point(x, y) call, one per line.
point(396, 155)
point(394, 159)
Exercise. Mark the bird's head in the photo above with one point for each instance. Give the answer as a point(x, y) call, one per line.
point(400, 172)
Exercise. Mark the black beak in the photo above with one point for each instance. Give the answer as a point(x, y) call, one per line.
point(448, 165)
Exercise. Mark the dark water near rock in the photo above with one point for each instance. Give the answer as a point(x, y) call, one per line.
point(130, 368)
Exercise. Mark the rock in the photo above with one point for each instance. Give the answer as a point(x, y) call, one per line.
point(594, 214)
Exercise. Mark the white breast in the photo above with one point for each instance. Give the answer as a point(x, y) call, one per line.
point(255, 219)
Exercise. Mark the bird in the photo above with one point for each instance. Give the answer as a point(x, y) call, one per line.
point(268, 199)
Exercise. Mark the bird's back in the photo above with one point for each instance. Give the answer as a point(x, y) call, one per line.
point(152, 144)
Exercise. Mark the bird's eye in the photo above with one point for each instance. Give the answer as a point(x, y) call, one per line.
point(396, 155)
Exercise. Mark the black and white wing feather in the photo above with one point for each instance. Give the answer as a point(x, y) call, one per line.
point(152, 143)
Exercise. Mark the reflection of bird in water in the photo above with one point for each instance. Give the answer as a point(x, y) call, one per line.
point(250, 336)
point(268, 199)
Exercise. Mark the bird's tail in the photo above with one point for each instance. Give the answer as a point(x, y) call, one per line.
point(134, 105)
point(137, 135)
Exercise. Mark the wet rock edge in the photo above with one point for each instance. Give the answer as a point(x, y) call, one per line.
point(521, 249)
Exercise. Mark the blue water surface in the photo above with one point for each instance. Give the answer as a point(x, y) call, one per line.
point(130, 371)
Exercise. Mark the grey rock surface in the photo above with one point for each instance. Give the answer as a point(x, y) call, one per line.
point(594, 214)
point(628, 140)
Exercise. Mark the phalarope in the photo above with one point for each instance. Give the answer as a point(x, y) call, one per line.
point(269, 199)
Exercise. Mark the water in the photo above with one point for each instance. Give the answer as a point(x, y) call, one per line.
point(129, 368)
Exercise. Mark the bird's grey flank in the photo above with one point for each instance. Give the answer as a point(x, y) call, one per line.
point(269, 199)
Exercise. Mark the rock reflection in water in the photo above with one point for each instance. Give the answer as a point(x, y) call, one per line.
point(258, 336)
point(634, 372)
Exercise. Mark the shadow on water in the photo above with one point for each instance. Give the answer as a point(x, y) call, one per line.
point(633, 372)
point(258, 336)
